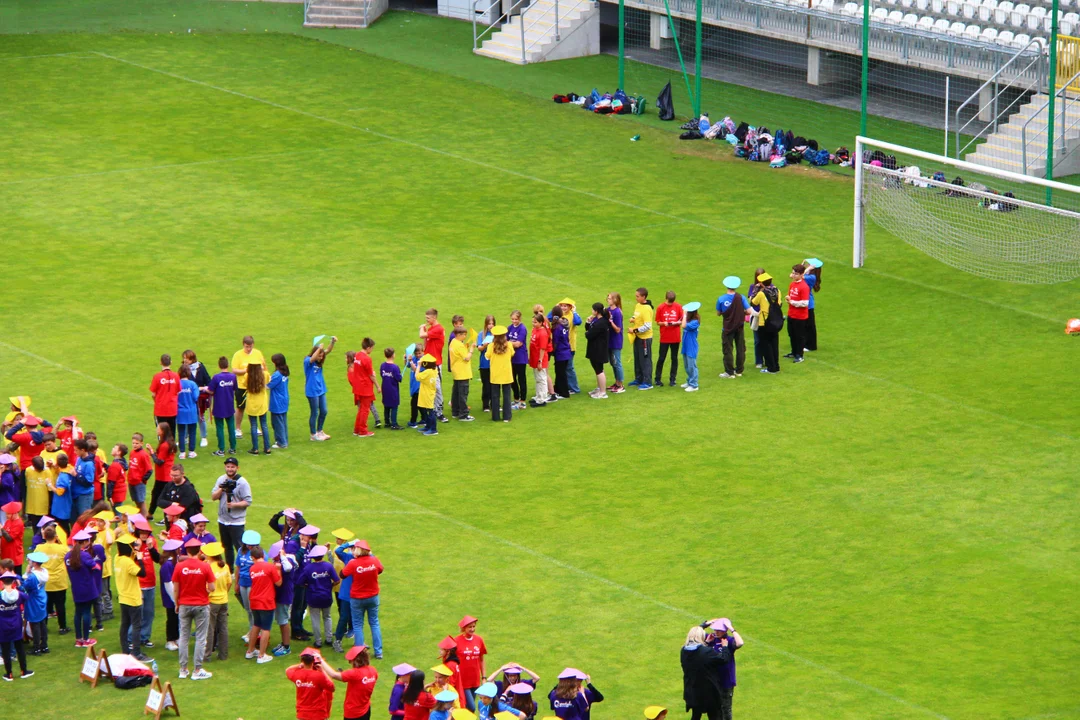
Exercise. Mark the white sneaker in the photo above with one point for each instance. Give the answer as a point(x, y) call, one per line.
point(275, 446)
point(726, 375)
point(263, 659)
point(251, 655)
point(322, 435)
point(691, 389)
point(183, 456)
point(202, 443)
point(684, 385)
point(315, 438)
point(239, 433)
point(602, 396)
point(244, 638)
point(171, 646)
point(191, 454)
point(183, 674)
point(201, 674)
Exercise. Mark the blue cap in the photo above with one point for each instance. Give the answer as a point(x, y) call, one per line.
point(250, 537)
point(447, 696)
point(411, 349)
point(732, 282)
point(692, 306)
point(488, 689)
point(814, 262)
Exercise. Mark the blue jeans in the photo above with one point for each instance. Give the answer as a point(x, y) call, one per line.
point(470, 699)
point(255, 423)
point(615, 357)
point(371, 606)
point(390, 415)
point(147, 614)
point(757, 351)
point(429, 419)
point(185, 432)
point(691, 370)
point(318, 413)
point(344, 620)
point(571, 375)
point(82, 620)
point(280, 421)
point(80, 504)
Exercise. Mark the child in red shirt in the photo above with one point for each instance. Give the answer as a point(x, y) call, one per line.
point(314, 689)
point(538, 358)
point(140, 468)
point(360, 679)
point(163, 459)
point(11, 535)
point(364, 388)
point(116, 475)
point(669, 316)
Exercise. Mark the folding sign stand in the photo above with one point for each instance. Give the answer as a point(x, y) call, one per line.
point(160, 699)
point(93, 666)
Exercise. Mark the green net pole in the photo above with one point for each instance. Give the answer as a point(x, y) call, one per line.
point(697, 61)
point(1053, 95)
point(678, 51)
point(867, 9)
point(622, 45)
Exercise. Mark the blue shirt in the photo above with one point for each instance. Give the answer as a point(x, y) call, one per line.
point(811, 281)
point(724, 302)
point(279, 393)
point(414, 384)
point(35, 592)
point(187, 400)
point(314, 384)
point(481, 345)
point(346, 582)
point(690, 338)
point(84, 476)
point(243, 568)
point(61, 504)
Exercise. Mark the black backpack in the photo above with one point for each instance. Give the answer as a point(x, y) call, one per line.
point(775, 321)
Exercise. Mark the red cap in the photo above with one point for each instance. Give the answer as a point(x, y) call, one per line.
point(467, 620)
point(12, 507)
point(362, 544)
point(193, 542)
point(447, 643)
point(174, 509)
point(69, 419)
point(142, 525)
point(354, 651)
point(30, 420)
point(310, 651)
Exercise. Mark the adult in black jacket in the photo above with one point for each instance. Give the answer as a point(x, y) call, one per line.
point(596, 350)
point(182, 492)
point(701, 675)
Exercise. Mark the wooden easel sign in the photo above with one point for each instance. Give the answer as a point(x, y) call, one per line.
point(92, 667)
point(160, 699)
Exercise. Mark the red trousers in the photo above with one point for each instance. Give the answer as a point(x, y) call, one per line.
point(360, 426)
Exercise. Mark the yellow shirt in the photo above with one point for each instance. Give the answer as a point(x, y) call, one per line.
point(426, 399)
point(107, 570)
point(258, 403)
point(240, 361)
point(573, 329)
point(127, 581)
point(502, 372)
point(37, 491)
point(762, 302)
point(222, 584)
point(58, 577)
point(460, 367)
point(50, 463)
point(643, 315)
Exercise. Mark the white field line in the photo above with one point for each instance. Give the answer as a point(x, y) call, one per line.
point(417, 509)
point(73, 371)
point(86, 55)
point(551, 183)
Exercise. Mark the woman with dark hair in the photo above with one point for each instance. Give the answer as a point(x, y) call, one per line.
point(770, 322)
point(701, 667)
point(755, 288)
point(521, 700)
point(163, 459)
point(418, 702)
point(597, 350)
point(813, 279)
point(315, 387)
point(482, 342)
point(279, 401)
point(80, 569)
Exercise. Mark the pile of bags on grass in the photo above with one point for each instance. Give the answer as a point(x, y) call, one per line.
point(618, 103)
point(759, 144)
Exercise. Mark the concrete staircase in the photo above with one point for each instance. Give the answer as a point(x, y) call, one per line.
point(1004, 149)
point(343, 13)
point(577, 33)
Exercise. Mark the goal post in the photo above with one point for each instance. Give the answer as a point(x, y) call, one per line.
point(986, 221)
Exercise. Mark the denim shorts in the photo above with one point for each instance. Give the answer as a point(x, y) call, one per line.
point(282, 614)
point(263, 619)
point(138, 492)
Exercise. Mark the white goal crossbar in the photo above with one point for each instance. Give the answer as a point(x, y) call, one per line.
point(969, 226)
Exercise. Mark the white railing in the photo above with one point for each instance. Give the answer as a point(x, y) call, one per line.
point(558, 18)
point(1061, 97)
point(497, 22)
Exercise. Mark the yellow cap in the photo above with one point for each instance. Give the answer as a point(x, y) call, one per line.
point(343, 534)
point(213, 549)
point(443, 670)
point(428, 358)
point(20, 401)
point(763, 277)
point(106, 515)
point(125, 539)
point(568, 301)
point(504, 715)
point(499, 330)
point(653, 711)
point(462, 714)
point(127, 509)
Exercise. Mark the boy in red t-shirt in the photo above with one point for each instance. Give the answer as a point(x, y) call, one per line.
point(140, 468)
point(798, 298)
point(11, 535)
point(669, 315)
point(538, 358)
point(165, 387)
point(471, 651)
point(364, 387)
point(265, 579)
point(116, 476)
point(314, 689)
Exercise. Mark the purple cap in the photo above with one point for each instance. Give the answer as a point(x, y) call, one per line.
point(81, 535)
point(274, 550)
point(403, 669)
point(199, 517)
point(45, 520)
point(6, 459)
point(309, 530)
point(317, 552)
point(171, 545)
point(290, 513)
point(513, 670)
point(521, 688)
point(723, 625)
point(9, 574)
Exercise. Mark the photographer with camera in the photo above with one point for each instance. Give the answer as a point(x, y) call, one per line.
point(233, 494)
point(314, 689)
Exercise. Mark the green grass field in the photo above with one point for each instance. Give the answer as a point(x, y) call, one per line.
point(891, 525)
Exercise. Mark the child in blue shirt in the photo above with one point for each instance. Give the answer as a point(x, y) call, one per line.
point(413, 353)
point(34, 586)
point(279, 401)
point(61, 493)
point(691, 324)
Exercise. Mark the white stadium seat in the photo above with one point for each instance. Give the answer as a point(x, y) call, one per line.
point(1019, 15)
point(941, 26)
point(925, 23)
point(910, 20)
point(1021, 40)
point(848, 9)
point(1072, 18)
point(986, 10)
point(971, 9)
point(953, 7)
point(895, 17)
point(907, 3)
point(1035, 21)
point(1001, 14)
point(922, 5)
point(1005, 37)
point(937, 6)
point(971, 32)
point(880, 14)
point(988, 35)
point(1065, 28)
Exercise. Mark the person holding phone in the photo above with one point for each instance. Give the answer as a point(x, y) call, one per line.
point(314, 689)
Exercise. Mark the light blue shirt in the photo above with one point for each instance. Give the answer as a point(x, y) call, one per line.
point(314, 384)
point(187, 400)
point(279, 392)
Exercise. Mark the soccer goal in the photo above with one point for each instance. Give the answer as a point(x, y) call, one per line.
point(992, 223)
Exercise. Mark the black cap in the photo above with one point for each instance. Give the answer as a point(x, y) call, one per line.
point(232, 461)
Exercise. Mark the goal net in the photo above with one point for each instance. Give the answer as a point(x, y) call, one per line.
point(991, 223)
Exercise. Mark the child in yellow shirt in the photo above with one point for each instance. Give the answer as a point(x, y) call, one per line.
point(461, 370)
point(219, 602)
point(641, 327)
point(427, 376)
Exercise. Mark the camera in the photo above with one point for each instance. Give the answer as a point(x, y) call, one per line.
point(229, 486)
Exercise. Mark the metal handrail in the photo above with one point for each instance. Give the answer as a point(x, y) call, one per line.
point(1061, 134)
point(993, 80)
point(557, 20)
point(497, 21)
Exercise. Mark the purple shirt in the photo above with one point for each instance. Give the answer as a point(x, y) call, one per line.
point(573, 709)
point(166, 576)
point(561, 341)
point(615, 339)
point(283, 595)
point(82, 580)
point(11, 619)
point(318, 577)
point(727, 671)
point(519, 333)
point(206, 538)
point(224, 386)
point(395, 699)
point(391, 378)
point(99, 556)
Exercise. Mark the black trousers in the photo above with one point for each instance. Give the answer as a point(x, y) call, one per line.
point(171, 420)
point(736, 338)
point(155, 495)
point(562, 382)
point(230, 536)
point(485, 388)
point(172, 625)
point(16, 647)
point(810, 334)
point(796, 330)
point(131, 621)
point(665, 348)
point(414, 409)
point(296, 615)
point(770, 348)
point(56, 601)
point(460, 398)
point(500, 402)
point(725, 703)
point(713, 714)
point(39, 631)
point(521, 387)
point(643, 361)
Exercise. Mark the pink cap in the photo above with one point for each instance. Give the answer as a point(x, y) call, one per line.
point(317, 552)
point(310, 651)
point(723, 625)
point(362, 544)
point(309, 530)
point(290, 513)
point(193, 543)
point(274, 550)
point(199, 517)
point(31, 421)
point(174, 509)
point(81, 535)
point(521, 688)
point(447, 643)
point(467, 620)
point(7, 459)
point(45, 519)
point(141, 524)
point(354, 651)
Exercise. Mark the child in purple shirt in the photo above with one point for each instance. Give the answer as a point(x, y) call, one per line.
point(12, 602)
point(391, 393)
point(223, 389)
point(319, 576)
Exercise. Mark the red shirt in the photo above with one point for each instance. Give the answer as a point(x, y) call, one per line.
point(798, 291)
point(364, 571)
point(672, 313)
point(263, 577)
point(420, 709)
point(455, 680)
point(163, 472)
point(150, 580)
point(361, 683)
point(139, 464)
point(67, 442)
point(362, 383)
point(314, 692)
point(13, 550)
point(175, 532)
point(436, 339)
point(165, 387)
point(99, 476)
point(117, 476)
point(470, 652)
point(28, 449)
point(538, 348)
point(190, 577)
